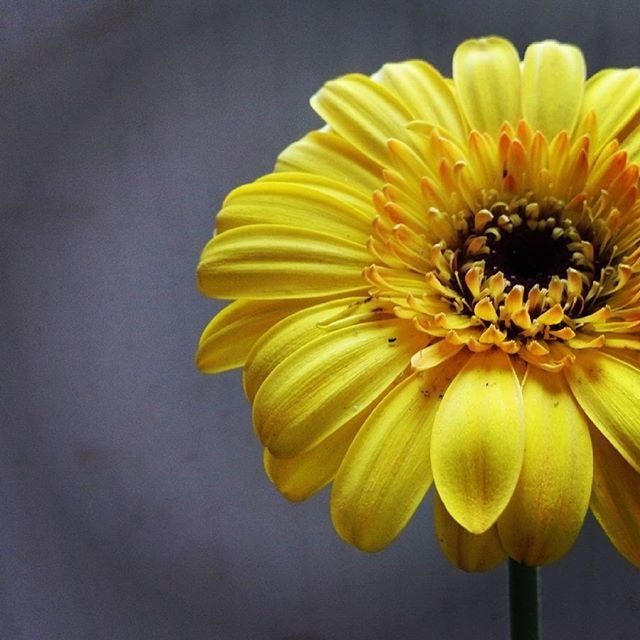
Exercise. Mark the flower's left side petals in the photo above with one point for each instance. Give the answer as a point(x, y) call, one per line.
point(232, 333)
point(467, 551)
point(615, 500)
point(326, 383)
point(387, 469)
point(614, 96)
point(553, 77)
point(300, 477)
point(266, 262)
point(364, 113)
point(425, 93)
point(548, 507)
point(486, 74)
point(478, 440)
point(607, 390)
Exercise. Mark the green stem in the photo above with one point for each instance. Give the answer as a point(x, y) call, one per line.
point(523, 600)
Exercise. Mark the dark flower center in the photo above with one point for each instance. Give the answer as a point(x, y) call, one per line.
point(528, 257)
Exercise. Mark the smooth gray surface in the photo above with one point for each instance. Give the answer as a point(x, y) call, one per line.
point(133, 504)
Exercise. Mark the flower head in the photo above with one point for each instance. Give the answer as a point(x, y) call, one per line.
point(442, 287)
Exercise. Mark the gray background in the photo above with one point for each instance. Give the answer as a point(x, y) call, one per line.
point(133, 504)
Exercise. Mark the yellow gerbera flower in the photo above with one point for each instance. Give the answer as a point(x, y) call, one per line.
point(442, 287)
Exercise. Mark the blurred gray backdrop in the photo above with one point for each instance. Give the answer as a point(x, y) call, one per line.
point(133, 503)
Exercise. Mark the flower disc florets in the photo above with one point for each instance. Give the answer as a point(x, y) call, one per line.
point(517, 240)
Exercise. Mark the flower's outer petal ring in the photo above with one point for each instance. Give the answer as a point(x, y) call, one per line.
point(364, 113)
point(467, 551)
point(264, 262)
point(232, 333)
point(553, 77)
point(425, 93)
point(614, 96)
point(326, 383)
point(607, 390)
point(327, 154)
point(300, 477)
point(478, 440)
point(295, 205)
point(486, 74)
point(550, 501)
point(299, 329)
point(387, 470)
point(615, 500)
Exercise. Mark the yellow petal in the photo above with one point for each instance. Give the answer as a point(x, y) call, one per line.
point(478, 440)
point(425, 93)
point(264, 262)
point(387, 470)
point(299, 329)
point(300, 477)
point(364, 113)
point(467, 551)
point(553, 77)
point(328, 154)
point(615, 500)
point(230, 336)
point(607, 388)
point(548, 506)
point(326, 383)
point(614, 96)
point(337, 189)
point(486, 73)
point(304, 206)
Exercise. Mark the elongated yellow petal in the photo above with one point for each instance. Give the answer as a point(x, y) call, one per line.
point(331, 187)
point(553, 77)
point(271, 261)
point(294, 205)
point(364, 113)
point(548, 506)
point(300, 477)
point(387, 470)
point(299, 329)
point(228, 338)
point(615, 500)
point(614, 96)
point(486, 74)
point(478, 440)
point(327, 154)
point(607, 388)
point(467, 551)
point(326, 383)
point(425, 93)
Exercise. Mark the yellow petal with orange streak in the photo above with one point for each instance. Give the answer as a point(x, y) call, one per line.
point(550, 501)
point(478, 440)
